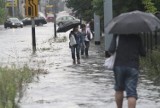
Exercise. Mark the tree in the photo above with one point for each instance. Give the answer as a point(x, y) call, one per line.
point(83, 8)
point(2, 11)
point(86, 8)
point(98, 7)
point(119, 6)
point(149, 6)
point(157, 4)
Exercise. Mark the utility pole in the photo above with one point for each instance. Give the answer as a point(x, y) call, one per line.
point(33, 36)
point(108, 15)
point(55, 10)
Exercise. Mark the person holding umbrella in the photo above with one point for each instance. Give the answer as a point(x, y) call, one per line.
point(126, 67)
point(75, 48)
point(129, 48)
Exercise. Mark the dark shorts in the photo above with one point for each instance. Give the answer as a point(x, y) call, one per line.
point(126, 79)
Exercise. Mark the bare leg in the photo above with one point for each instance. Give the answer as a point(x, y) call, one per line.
point(131, 102)
point(119, 98)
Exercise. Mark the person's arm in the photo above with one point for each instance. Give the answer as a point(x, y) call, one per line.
point(112, 47)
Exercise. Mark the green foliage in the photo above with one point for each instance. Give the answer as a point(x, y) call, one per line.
point(2, 2)
point(98, 7)
point(2, 11)
point(11, 81)
point(83, 8)
point(2, 15)
point(157, 4)
point(151, 65)
point(149, 6)
point(88, 7)
point(121, 6)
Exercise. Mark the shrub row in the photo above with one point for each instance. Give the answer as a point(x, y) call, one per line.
point(151, 66)
point(12, 84)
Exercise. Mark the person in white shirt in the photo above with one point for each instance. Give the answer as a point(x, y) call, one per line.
point(86, 34)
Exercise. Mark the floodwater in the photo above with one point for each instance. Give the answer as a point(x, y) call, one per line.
point(87, 85)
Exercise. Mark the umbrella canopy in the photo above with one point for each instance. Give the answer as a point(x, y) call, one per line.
point(132, 23)
point(68, 25)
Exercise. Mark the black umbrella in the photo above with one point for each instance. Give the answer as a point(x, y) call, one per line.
point(68, 25)
point(133, 22)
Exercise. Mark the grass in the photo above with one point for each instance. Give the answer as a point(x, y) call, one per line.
point(12, 84)
point(45, 49)
point(59, 39)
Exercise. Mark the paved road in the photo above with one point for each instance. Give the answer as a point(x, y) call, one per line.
point(87, 85)
point(1, 27)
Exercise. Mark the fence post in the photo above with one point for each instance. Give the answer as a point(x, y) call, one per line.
point(147, 42)
point(156, 40)
point(151, 43)
point(144, 39)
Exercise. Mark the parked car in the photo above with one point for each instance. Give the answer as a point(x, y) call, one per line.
point(13, 23)
point(38, 21)
point(50, 18)
point(63, 19)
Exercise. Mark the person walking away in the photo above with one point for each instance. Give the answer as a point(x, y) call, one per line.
point(75, 49)
point(91, 24)
point(86, 37)
point(126, 67)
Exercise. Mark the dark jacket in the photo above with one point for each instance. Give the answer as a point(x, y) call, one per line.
point(130, 47)
point(78, 37)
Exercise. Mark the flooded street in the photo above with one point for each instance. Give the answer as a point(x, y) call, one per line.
point(87, 85)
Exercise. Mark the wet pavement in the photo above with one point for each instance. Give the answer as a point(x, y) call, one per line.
point(1, 27)
point(85, 85)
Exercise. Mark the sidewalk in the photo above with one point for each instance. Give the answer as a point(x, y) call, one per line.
point(87, 85)
point(70, 86)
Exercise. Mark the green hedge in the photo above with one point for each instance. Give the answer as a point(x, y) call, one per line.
point(2, 15)
point(151, 66)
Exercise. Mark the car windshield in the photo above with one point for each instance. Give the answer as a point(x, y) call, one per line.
point(14, 20)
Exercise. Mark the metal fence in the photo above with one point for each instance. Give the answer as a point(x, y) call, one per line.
point(151, 41)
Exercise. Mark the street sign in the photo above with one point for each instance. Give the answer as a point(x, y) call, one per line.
point(11, 3)
point(31, 8)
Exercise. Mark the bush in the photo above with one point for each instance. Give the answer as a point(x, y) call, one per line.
point(151, 66)
point(2, 12)
point(12, 82)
